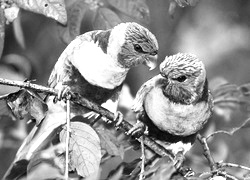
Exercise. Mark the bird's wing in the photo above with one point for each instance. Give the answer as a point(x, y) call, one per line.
point(63, 66)
point(111, 104)
point(142, 92)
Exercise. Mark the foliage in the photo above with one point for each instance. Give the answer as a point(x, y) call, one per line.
point(91, 145)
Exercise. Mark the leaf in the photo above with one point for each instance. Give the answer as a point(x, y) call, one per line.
point(51, 8)
point(109, 143)
point(125, 169)
point(75, 13)
point(228, 97)
point(5, 110)
point(245, 89)
point(2, 30)
point(18, 32)
point(16, 168)
point(27, 104)
point(18, 66)
point(106, 19)
point(11, 13)
point(51, 156)
point(172, 8)
point(84, 147)
point(137, 9)
point(163, 169)
point(183, 3)
point(44, 171)
point(117, 174)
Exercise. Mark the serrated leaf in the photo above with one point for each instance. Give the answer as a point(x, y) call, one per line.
point(2, 30)
point(27, 104)
point(137, 9)
point(51, 8)
point(75, 14)
point(109, 143)
point(106, 19)
point(84, 147)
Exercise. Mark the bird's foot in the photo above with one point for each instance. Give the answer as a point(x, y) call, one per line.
point(118, 119)
point(186, 171)
point(178, 160)
point(63, 92)
point(178, 164)
point(138, 129)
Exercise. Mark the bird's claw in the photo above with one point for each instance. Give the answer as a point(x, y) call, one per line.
point(138, 129)
point(63, 92)
point(178, 161)
point(118, 119)
point(186, 171)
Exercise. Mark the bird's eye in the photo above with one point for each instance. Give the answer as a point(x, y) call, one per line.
point(138, 48)
point(180, 78)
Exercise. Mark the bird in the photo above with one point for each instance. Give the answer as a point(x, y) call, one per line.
point(173, 106)
point(94, 65)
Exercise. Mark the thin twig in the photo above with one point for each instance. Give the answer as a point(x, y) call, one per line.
point(151, 144)
point(233, 165)
point(4, 96)
point(66, 174)
point(219, 101)
point(148, 162)
point(95, 120)
point(28, 85)
point(141, 177)
point(233, 130)
point(228, 176)
point(218, 132)
point(207, 152)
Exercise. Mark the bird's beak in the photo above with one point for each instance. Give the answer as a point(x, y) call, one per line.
point(151, 61)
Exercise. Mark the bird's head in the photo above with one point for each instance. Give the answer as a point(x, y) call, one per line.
point(132, 44)
point(185, 77)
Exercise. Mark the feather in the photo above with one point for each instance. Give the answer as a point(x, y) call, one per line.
point(143, 91)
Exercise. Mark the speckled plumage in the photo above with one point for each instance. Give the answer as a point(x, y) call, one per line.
point(175, 104)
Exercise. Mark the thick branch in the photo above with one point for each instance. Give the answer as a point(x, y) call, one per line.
point(28, 85)
point(151, 144)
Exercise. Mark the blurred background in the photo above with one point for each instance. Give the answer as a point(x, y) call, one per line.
point(217, 31)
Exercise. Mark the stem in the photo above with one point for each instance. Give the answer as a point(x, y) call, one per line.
point(4, 96)
point(28, 85)
point(234, 165)
point(141, 177)
point(207, 152)
point(66, 175)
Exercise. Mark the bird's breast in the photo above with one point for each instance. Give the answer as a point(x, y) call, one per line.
point(97, 67)
point(175, 118)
